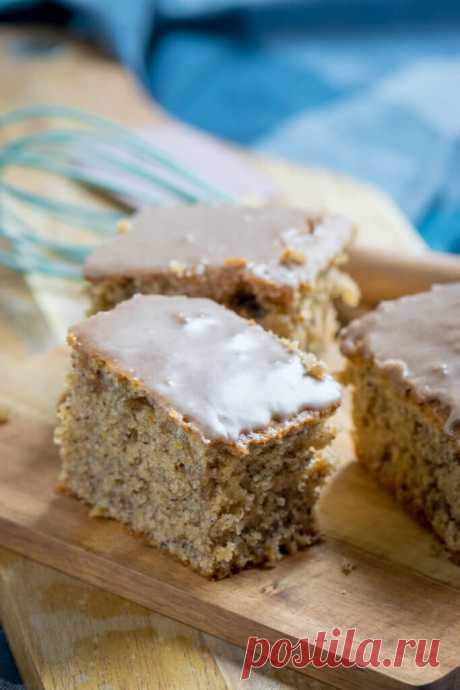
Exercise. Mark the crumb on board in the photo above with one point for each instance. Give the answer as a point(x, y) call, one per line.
point(61, 488)
point(4, 414)
point(347, 567)
point(124, 226)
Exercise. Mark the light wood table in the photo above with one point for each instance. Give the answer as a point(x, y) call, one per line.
point(66, 634)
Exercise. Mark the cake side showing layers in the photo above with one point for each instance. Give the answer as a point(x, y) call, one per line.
point(196, 448)
point(404, 365)
point(276, 265)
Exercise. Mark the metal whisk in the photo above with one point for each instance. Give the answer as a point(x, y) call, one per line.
point(40, 233)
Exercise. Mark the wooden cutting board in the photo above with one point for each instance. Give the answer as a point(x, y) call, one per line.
point(400, 584)
point(66, 633)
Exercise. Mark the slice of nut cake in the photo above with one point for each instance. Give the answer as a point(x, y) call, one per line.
point(277, 265)
point(197, 428)
point(404, 364)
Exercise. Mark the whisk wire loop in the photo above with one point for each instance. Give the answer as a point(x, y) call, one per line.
point(104, 157)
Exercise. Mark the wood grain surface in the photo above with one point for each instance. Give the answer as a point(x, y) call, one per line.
point(384, 274)
point(395, 564)
point(63, 632)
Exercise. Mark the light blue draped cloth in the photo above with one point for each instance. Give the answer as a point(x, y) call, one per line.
point(370, 87)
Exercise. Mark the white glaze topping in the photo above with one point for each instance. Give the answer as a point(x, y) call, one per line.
point(224, 374)
point(278, 244)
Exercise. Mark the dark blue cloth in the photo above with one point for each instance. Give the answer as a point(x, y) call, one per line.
point(368, 87)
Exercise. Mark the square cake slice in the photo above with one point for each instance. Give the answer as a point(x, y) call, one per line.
point(274, 264)
point(198, 429)
point(404, 365)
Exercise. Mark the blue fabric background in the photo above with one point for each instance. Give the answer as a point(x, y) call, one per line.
point(368, 87)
